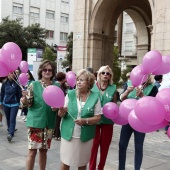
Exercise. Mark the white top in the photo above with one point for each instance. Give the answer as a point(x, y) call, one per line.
point(77, 128)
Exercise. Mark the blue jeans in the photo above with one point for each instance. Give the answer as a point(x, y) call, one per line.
point(11, 114)
point(125, 135)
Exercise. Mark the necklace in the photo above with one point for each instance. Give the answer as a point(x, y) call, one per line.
point(44, 85)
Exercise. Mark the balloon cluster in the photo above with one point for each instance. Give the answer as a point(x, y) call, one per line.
point(10, 60)
point(153, 63)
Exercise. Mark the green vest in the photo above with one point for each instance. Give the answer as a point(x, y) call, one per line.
point(40, 115)
point(146, 92)
point(67, 126)
point(105, 98)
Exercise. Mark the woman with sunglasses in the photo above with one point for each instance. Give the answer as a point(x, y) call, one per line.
point(40, 117)
point(148, 89)
point(104, 129)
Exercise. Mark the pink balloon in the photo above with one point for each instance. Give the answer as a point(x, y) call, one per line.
point(3, 70)
point(140, 126)
point(110, 110)
point(120, 120)
point(23, 66)
point(11, 55)
point(23, 79)
point(163, 96)
point(53, 96)
point(164, 66)
point(71, 78)
point(137, 76)
point(149, 110)
point(151, 61)
point(126, 107)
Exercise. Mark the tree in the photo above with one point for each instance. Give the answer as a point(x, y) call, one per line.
point(69, 56)
point(26, 37)
point(49, 54)
point(116, 66)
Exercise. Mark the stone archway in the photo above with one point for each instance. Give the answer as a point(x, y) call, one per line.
point(95, 24)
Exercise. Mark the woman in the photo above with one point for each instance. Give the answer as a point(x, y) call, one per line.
point(148, 89)
point(78, 124)
point(104, 129)
point(61, 79)
point(10, 100)
point(40, 117)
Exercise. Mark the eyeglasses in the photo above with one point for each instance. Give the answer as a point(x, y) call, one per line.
point(105, 73)
point(45, 70)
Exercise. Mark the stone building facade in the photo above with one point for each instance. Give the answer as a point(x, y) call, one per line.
point(94, 27)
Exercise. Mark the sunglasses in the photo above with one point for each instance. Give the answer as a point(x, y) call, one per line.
point(105, 73)
point(45, 70)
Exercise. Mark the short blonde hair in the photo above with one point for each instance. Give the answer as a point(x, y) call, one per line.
point(89, 76)
point(102, 68)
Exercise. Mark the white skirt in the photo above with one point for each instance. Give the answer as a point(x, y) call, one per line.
point(75, 152)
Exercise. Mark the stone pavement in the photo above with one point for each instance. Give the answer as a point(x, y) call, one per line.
point(13, 155)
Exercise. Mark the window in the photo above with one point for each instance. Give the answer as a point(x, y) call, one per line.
point(50, 14)
point(128, 45)
point(64, 17)
point(63, 36)
point(65, 1)
point(49, 34)
point(129, 27)
point(35, 12)
point(17, 8)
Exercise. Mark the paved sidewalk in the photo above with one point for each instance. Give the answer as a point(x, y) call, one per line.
point(13, 155)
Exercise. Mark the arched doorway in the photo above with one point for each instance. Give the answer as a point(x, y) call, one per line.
point(100, 19)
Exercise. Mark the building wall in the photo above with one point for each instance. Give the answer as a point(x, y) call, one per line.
point(32, 8)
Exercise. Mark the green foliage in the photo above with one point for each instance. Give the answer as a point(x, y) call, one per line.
point(25, 37)
point(69, 56)
point(116, 66)
point(49, 54)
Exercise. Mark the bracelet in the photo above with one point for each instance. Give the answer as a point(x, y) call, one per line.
point(87, 121)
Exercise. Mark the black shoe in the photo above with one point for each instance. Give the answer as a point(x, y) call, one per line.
point(9, 137)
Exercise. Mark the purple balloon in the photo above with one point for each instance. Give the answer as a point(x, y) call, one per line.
point(71, 78)
point(23, 66)
point(151, 61)
point(149, 110)
point(163, 96)
point(140, 126)
point(53, 96)
point(3, 70)
point(137, 76)
point(23, 79)
point(164, 66)
point(110, 110)
point(120, 120)
point(126, 107)
point(11, 55)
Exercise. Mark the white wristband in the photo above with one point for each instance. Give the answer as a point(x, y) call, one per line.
point(87, 121)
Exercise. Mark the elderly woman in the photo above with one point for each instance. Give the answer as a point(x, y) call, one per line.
point(148, 89)
point(40, 117)
point(78, 123)
point(104, 129)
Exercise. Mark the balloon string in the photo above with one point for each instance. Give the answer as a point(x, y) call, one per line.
point(145, 83)
point(73, 118)
point(17, 83)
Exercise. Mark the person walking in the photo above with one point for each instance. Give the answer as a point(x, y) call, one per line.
point(104, 129)
point(40, 117)
point(61, 80)
point(10, 101)
point(148, 89)
point(80, 114)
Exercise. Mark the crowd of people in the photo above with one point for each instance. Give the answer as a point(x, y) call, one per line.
point(79, 124)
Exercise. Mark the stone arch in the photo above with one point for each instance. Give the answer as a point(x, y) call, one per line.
point(102, 25)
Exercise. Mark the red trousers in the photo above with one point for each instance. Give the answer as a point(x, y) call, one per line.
point(103, 137)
